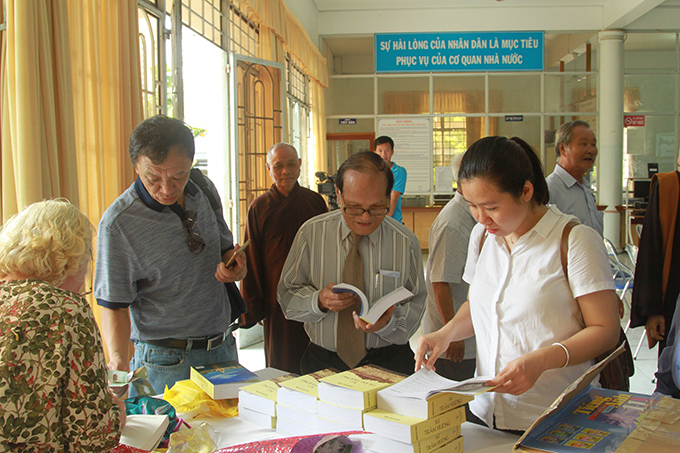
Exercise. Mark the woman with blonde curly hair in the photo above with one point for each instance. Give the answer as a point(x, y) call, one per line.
point(53, 377)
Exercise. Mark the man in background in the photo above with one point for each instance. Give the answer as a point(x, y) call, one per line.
point(273, 220)
point(356, 244)
point(384, 147)
point(161, 254)
point(576, 148)
point(446, 290)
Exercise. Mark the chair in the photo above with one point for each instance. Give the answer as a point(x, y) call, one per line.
point(632, 251)
point(623, 275)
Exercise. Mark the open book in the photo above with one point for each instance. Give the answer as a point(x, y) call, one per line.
point(425, 383)
point(372, 314)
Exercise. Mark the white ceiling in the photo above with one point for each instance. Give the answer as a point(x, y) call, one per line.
point(355, 5)
point(347, 26)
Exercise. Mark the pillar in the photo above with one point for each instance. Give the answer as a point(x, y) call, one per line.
point(610, 131)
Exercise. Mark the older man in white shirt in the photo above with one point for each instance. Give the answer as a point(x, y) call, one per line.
point(576, 148)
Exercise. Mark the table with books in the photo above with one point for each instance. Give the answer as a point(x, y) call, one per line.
point(384, 411)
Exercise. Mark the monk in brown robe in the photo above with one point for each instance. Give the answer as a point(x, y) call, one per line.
point(273, 220)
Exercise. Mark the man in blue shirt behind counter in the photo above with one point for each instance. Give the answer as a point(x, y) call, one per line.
point(384, 146)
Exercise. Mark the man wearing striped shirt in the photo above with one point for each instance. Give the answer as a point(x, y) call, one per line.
point(391, 258)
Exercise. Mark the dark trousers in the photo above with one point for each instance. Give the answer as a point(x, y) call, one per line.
point(472, 418)
point(396, 357)
point(458, 371)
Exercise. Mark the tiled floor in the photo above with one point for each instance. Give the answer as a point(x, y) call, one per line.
point(645, 365)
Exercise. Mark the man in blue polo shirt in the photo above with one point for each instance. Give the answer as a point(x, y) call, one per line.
point(384, 146)
point(161, 254)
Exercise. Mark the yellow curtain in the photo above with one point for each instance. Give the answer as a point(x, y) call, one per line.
point(37, 106)
point(319, 124)
point(281, 33)
point(275, 17)
point(70, 97)
point(108, 101)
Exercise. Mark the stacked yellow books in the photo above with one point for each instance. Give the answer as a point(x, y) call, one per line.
point(346, 396)
point(296, 404)
point(257, 402)
point(421, 414)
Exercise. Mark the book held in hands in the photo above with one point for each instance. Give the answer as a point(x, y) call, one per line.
point(371, 313)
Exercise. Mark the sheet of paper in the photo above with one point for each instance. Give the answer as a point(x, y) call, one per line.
point(423, 382)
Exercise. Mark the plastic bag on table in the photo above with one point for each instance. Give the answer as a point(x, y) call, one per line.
point(190, 401)
point(146, 405)
point(195, 440)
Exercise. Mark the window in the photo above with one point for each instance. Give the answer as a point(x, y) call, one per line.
point(449, 139)
point(244, 34)
point(299, 126)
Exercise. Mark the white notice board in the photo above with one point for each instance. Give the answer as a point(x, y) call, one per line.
point(412, 149)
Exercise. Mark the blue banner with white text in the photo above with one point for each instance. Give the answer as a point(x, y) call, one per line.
point(459, 52)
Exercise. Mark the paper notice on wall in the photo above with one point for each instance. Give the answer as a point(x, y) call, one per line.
point(412, 149)
point(443, 179)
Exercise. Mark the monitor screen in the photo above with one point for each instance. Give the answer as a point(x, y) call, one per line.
point(641, 189)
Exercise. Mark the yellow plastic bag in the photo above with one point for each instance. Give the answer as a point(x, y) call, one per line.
point(194, 440)
point(190, 401)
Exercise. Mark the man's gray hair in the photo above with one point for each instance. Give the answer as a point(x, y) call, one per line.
point(455, 165)
point(270, 152)
point(563, 135)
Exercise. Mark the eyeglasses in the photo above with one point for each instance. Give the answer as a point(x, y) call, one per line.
point(360, 211)
point(350, 210)
point(195, 243)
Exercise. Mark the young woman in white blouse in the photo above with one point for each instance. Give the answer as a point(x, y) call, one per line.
point(536, 332)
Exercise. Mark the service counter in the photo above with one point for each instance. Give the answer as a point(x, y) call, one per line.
point(419, 220)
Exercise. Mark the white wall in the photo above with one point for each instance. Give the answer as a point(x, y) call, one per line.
point(308, 15)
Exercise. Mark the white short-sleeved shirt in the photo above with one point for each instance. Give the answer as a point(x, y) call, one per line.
point(521, 302)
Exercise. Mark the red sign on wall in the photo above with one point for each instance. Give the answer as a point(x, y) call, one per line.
point(633, 121)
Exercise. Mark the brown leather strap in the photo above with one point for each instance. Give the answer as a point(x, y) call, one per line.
point(669, 191)
point(564, 246)
point(481, 241)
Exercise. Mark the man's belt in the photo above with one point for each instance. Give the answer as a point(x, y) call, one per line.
point(207, 343)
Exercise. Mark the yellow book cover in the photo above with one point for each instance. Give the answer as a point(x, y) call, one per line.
point(448, 441)
point(357, 388)
point(267, 389)
point(309, 383)
point(414, 407)
point(411, 429)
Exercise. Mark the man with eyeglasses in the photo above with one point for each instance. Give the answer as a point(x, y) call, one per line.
point(161, 253)
point(358, 242)
point(273, 220)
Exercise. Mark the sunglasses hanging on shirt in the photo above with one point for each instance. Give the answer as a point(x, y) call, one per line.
point(195, 242)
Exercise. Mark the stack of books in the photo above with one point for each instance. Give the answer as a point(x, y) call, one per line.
point(257, 402)
point(296, 404)
point(421, 414)
point(222, 380)
point(345, 397)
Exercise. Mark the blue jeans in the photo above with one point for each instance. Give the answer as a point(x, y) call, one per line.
point(169, 365)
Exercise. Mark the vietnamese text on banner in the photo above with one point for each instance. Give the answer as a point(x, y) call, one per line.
point(459, 52)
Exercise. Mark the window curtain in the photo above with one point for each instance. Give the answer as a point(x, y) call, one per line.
point(281, 32)
point(38, 139)
point(70, 97)
point(417, 103)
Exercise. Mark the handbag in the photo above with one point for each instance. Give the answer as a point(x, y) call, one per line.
point(616, 374)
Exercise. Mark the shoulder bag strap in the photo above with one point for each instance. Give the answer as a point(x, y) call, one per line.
point(564, 246)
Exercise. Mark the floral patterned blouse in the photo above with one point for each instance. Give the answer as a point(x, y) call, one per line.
point(53, 380)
